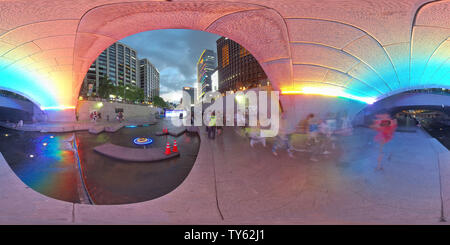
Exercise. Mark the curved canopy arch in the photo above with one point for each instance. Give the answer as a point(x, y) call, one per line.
point(401, 44)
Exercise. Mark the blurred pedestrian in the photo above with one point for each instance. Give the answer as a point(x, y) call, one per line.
point(303, 125)
point(19, 124)
point(346, 126)
point(219, 127)
point(95, 116)
point(313, 138)
point(385, 126)
point(211, 128)
point(282, 140)
point(331, 123)
point(254, 133)
point(325, 137)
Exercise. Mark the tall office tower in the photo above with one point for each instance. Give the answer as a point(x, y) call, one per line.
point(205, 67)
point(238, 69)
point(191, 92)
point(148, 79)
point(118, 62)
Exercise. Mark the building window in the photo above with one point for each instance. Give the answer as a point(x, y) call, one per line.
point(225, 55)
point(243, 52)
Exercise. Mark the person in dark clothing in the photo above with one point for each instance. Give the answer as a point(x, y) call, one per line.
point(211, 128)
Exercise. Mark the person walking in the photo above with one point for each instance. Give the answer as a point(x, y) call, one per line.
point(331, 127)
point(211, 128)
point(313, 138)
point(385, 126)
point(303, 125)
point(254, 133)
point(120, 116)
point(95, 117)
point(346, 126)
point(220, 126)
point(19, 124)
point(282, 140)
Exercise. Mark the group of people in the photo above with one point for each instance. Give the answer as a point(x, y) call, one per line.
point(120, 117)
point(320, 134)
point(94, 116)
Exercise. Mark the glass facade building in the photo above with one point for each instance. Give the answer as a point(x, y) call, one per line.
point(205, 67)
point(238, 69)
point(191, 92)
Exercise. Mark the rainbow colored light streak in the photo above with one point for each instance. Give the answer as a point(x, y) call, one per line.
point(61, 107)
point(46, 91)
point(328, 91)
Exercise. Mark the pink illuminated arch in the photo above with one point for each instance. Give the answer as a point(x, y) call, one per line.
point(260, 30)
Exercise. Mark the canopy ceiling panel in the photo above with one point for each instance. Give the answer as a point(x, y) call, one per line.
point(372, 48)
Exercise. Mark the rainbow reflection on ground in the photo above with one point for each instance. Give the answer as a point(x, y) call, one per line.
point(44, 162)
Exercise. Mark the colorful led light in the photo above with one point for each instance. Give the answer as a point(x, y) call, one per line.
point(142, 141)
point(424, 63)
point(328, 91)
point(45, 90)
point(61, 107)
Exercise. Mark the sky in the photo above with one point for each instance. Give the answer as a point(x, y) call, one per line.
point(175, 54)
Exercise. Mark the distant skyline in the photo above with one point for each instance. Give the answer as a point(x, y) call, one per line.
point(174, 52)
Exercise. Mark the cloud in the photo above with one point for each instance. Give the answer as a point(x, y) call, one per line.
point(170, 96)
point(175, 54)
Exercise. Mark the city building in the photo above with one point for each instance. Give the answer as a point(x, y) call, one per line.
point(205, 67)
point(148, 79)
point(191, 92)
point(215, 81)
point(238, 69)
point(118, 62)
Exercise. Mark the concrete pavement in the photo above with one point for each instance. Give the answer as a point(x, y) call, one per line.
point(233, 183)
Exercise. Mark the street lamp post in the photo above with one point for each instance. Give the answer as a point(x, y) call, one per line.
point(125, 93)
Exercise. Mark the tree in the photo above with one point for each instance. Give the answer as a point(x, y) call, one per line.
point(119, 91)
point(159, 102)
point(135, 94)
point(105, 88)
point(140, 95)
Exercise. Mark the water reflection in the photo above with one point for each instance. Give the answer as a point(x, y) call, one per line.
point(47, 164)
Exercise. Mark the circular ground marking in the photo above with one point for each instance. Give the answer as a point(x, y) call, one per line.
point(142, 141)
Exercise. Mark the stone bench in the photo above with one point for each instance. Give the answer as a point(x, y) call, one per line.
point(177, 131)
point(172, 132)
point(134, 154)
point(57, 129)
point(113, 128)
point(96, 129)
